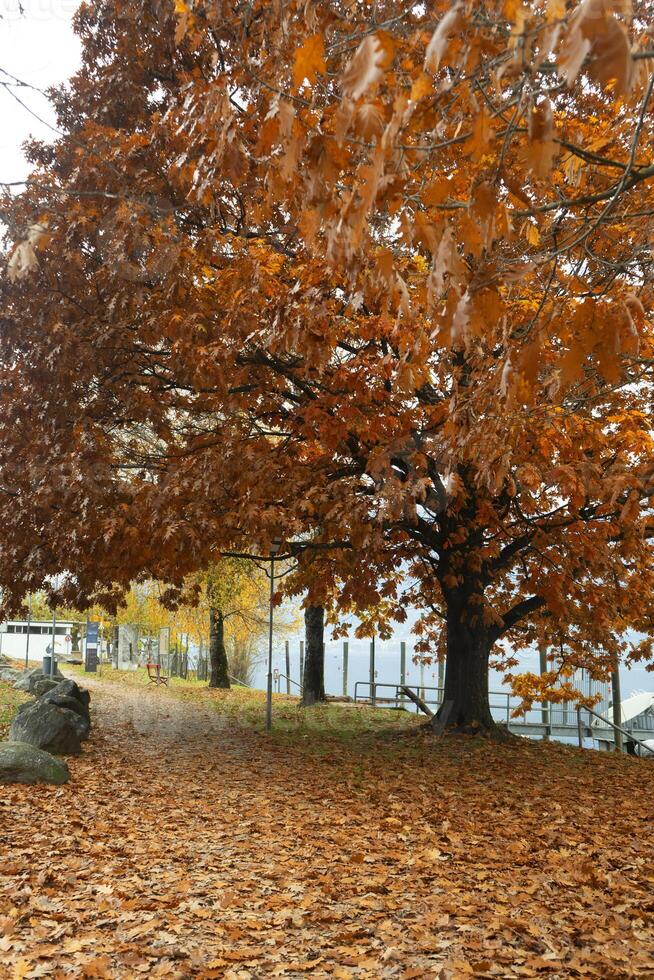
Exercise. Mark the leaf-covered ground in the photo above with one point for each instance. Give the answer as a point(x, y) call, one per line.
point(187, 845)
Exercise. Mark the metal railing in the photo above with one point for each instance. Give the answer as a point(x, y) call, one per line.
point(549, 717)
point(237, 680)
point(400, 700)
point(606, 724)
point(283, 677)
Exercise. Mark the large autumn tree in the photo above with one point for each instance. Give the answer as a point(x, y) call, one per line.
point(372, 279)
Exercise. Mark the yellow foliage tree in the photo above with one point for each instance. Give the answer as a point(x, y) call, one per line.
point(228, 603)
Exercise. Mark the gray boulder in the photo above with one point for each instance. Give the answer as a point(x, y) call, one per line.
point(25, 678)
point(81, 724)
point(63, 701)
point(9, 674)
point(72, 690)
point(30, 678)
point(47, 727)
point(23, 763)
point(42, 685)
point(58, 701)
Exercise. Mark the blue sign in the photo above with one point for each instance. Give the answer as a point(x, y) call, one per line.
point(91, 663)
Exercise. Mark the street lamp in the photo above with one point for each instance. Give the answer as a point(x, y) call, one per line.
point(29, 630)
point(54, 628)
point(53, 665)
point(274, 550)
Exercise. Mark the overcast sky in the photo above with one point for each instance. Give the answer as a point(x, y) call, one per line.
point(38, 47)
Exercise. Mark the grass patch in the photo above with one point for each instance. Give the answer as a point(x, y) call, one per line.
point(10, 699)
point(378, 739)
point(247, 707)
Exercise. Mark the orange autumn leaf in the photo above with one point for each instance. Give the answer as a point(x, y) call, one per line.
point(309, 61)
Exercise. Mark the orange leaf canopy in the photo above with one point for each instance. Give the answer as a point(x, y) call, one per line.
point(374, 279)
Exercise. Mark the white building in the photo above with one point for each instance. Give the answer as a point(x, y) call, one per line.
point(14, 635)
point(636, 716)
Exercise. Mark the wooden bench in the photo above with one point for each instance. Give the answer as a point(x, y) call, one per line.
point(155, 676)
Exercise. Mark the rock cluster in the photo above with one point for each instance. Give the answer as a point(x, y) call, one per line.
point(55, 723)
point(28, 679)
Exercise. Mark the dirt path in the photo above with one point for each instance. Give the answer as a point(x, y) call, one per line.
point(152, 713)
point(185, 847)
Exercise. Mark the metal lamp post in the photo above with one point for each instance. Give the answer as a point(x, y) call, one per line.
point(53, 665)
point(273, 551)
point(29, 630)
point(54, 627)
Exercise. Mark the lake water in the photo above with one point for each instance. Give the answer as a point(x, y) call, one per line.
point(387, 667)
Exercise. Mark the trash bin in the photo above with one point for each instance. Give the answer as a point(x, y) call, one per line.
point(47, 664)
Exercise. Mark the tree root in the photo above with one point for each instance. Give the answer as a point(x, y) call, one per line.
point(494, 733)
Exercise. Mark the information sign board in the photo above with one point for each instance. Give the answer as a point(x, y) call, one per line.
point(91, 652)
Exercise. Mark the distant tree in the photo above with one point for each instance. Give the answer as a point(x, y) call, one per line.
point(245, 654)
point(231, 607)
point(38, 606)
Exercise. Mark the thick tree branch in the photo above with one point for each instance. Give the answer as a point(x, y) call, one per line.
point(521, 609)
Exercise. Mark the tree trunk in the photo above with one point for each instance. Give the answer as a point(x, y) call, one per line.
point(466, 673)
point(115, 638)
point(217, 654)
point(313, 688)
